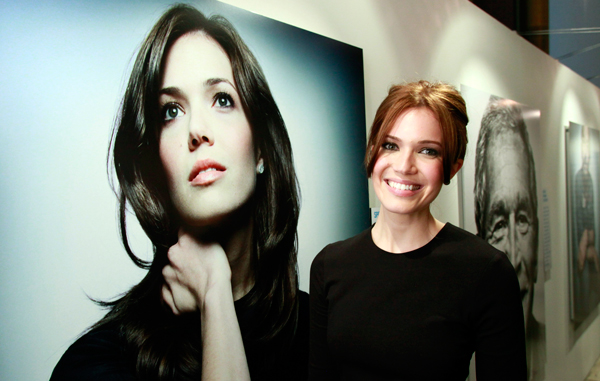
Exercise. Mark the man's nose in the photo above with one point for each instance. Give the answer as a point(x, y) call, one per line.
point(513, 248)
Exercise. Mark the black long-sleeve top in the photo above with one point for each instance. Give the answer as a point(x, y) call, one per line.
point(418, 315)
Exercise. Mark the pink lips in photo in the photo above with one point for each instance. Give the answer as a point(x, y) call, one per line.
point(206, 172)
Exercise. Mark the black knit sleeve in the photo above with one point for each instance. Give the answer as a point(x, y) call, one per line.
point(320, 363)
point(498, 324)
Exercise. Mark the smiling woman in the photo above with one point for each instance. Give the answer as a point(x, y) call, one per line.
point(204, 161)
point(413, 298)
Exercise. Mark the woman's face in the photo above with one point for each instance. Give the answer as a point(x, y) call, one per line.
point(408, 173)
point(205, 145)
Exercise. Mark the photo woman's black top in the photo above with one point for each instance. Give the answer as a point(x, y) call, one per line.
point(99, 354)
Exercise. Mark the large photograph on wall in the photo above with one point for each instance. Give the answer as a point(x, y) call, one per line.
point(65, 70)
point(500, 200)
point(583, 173)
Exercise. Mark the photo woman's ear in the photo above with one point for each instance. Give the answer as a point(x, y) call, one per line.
point(260, 167)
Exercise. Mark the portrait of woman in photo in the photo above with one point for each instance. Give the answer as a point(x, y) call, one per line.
point(413, 298)
point(203, 160)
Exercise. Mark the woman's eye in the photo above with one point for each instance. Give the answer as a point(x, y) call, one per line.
point(171, 111)
point(389, 146)
point(430, 152)
point(223, 100)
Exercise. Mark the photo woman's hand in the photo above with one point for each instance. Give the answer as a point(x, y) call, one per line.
point(198, 277)
point(195, 271)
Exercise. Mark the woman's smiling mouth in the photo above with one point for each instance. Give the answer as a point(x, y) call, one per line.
point(400, 186)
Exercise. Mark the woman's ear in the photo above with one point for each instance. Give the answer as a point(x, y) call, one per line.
point(260, 166)
point(456, 167)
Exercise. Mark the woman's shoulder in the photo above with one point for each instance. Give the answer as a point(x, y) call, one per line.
point(468, 243)
point(471, 252)
point(340, 249)
point(496, 260)
point(97, 355)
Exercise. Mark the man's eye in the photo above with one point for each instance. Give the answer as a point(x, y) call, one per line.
point(523, 223)
point(498, 231)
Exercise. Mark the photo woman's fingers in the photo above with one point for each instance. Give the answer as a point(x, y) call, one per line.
point(177, 294)
point(167, 297)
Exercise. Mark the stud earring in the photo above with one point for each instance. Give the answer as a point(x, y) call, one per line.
point(260, 168)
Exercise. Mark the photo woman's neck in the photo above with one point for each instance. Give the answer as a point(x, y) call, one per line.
point(235, 235)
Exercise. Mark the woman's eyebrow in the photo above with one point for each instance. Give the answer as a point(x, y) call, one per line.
point(426, 141)
point(215, 81)
point(173, 91)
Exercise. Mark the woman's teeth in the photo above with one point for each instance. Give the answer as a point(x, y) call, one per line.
point(403, 186)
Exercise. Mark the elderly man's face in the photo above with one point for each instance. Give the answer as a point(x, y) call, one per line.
point(510, 217)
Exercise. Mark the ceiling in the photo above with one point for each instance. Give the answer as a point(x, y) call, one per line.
point(567, 30)
point(574, 28)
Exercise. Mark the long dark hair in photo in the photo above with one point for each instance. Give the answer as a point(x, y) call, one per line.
point(161, 345)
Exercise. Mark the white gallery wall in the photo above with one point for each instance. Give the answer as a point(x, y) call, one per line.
point(454, 41)
point(449, 40)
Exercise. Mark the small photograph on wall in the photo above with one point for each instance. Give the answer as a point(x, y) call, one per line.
point(582, 147)
point(500, 200)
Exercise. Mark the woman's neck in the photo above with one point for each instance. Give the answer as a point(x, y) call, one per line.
point(401, 233)
point(238, 247)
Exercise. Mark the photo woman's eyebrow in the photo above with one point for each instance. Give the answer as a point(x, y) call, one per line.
point(173, 91)
point(178, 93)
point(215, 81)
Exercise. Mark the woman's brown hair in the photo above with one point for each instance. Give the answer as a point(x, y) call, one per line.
point(442, 99)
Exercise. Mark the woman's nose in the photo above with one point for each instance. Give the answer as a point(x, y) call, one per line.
point(200, 133)
point(405, 162)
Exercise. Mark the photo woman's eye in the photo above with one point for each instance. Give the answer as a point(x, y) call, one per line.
point(223, 100)
point(171, 111)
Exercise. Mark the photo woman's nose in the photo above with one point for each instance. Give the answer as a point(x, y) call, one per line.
point(200, 133)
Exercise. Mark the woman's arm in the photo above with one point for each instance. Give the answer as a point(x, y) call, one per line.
point(319, 362)
point(198, 277)
point(499, 324)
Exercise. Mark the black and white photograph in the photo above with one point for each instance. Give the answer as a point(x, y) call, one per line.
point(500, 200)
